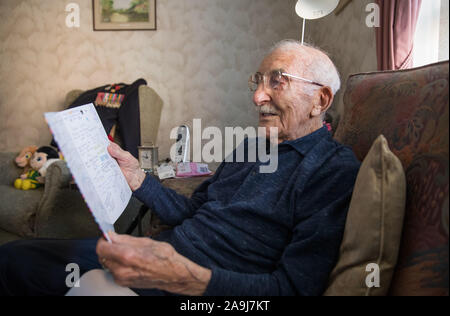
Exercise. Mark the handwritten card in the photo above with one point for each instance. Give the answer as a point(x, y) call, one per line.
point(83, 141)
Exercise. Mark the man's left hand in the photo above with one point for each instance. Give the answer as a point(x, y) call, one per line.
point(142, 263)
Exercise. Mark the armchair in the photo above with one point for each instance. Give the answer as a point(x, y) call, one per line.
point(411, 109)
point(34, 213)
point(58, 210)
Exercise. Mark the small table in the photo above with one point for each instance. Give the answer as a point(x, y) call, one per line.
point(183, 186)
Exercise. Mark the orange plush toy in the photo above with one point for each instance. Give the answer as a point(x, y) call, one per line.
point(23, 159)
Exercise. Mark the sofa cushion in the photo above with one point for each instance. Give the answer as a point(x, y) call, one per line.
point(9, 171)
point(6, 237)
point(374, 224)
point(410, 108)
point(18, 211)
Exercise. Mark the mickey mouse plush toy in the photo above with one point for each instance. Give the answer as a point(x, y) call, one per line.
point(39, 163)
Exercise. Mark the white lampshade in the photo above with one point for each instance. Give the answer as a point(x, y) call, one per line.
point(315, 9)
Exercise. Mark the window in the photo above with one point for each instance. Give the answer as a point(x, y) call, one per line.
point(431, 39)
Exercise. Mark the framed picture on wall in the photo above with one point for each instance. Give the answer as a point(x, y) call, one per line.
point(124, 15)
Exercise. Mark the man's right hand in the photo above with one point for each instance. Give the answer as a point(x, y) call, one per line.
point(129, 166)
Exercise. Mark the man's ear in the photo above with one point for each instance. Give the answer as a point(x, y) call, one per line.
point(325, 99)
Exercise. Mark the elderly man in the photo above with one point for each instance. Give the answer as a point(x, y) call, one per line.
point(242, 232)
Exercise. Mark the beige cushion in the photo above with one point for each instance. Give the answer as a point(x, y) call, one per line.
point(374, 225)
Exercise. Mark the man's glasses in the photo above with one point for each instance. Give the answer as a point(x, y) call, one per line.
point(276, 80)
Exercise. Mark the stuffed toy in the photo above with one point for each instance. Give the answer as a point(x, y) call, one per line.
point(23, 159)
point(41, 160)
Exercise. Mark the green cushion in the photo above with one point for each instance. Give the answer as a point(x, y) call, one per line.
point(18, 209)
point(6, 237)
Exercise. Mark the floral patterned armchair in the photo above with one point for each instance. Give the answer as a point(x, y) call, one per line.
point(410, 108)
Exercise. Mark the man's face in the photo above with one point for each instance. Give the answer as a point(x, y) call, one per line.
point(289, 107)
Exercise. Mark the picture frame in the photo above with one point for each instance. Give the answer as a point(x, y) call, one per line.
point(124, 15)
point(148, 158)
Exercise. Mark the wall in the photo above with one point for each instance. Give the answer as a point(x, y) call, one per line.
point(443, 31)
point(198, 60)
point(350, 43)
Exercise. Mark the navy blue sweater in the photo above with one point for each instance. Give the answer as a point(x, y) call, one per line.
point(264, 234)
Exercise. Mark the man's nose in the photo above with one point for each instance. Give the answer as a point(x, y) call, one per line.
point(261, 96)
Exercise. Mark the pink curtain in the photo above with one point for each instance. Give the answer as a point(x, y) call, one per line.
point(395, 36)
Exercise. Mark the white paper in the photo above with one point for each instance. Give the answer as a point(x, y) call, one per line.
point(82, 139)
point(166, 172)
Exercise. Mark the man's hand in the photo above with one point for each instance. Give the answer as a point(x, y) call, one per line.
point(129, 166)
point(142, 263)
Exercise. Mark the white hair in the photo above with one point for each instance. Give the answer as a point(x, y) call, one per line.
point(318, 67)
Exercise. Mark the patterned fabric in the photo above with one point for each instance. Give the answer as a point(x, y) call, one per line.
point(110, 100)
point(411, 109)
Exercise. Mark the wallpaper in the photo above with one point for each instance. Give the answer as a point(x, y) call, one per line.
point(348, 41)
point(198, 60)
